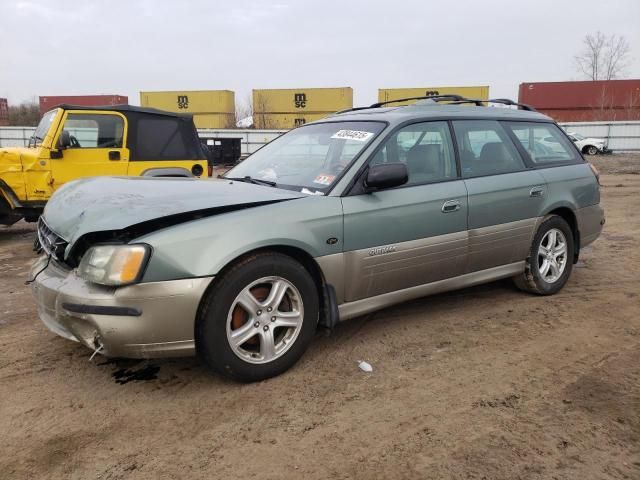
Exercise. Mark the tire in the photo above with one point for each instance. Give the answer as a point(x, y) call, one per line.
point(8, 216)
point(591, 150)
point(540, 275)
point(247, 345)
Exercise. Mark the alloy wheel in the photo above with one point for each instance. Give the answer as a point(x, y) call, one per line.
point(264, 320)
point(552, 255)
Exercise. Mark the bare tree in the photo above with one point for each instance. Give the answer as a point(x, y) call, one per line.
point(26, 114)
point(244, 109)
point(261, 117)
point(604, 57)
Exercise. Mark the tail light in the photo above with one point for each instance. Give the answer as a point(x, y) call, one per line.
point(210, 171)
point(595, 172)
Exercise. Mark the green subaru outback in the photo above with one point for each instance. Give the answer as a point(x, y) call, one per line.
point(364, 209)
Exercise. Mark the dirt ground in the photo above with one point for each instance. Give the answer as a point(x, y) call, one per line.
point(484, 383)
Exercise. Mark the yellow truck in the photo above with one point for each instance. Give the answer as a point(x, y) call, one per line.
point(72, 142)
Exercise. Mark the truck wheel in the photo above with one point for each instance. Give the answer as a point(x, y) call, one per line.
point(550, 260)
point(259, 318)
point(8, 216)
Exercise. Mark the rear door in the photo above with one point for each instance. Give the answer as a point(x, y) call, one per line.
point(97, 146)
point(506, 197)
point(410, 235)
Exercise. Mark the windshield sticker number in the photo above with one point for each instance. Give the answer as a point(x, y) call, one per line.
point(358, 135)
point(324, 179)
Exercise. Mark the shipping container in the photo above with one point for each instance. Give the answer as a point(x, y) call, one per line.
point(475, 92)
point(582, 101)
point(214, 120)
point(4, 112)
point(191, 101)
point(289, 108)
point(285, 120)
point(49, 102)
point(210, 108)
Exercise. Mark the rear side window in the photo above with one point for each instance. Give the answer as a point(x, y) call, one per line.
point(425, 148)
point(160, 138)
point(544, 142)
point(485, 148)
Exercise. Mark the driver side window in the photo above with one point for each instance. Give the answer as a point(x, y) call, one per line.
point(94, 130)
point(425, 148)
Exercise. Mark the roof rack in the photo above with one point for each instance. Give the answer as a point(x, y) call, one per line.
point(453, 99)
point(506, 101)
point(435, 98)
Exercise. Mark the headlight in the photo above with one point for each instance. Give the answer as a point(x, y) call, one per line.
point(114, 264)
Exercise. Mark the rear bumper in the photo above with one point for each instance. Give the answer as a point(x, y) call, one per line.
point(144, 320)
point(590, 223)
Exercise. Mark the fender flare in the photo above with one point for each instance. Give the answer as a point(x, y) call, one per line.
point(9, 195)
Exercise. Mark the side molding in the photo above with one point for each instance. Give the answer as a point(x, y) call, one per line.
point(366, 305)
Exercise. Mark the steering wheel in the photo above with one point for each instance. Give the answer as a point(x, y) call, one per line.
point(74, 143)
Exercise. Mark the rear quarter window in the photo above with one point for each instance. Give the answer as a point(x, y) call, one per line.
point(544, 143)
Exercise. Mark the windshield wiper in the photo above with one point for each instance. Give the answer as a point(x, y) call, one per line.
point(255, 181)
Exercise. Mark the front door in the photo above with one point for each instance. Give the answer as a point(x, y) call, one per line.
point(410, 235)
point(505, 197)
point(97, 146)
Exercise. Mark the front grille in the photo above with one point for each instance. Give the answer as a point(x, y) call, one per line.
point(49, 242)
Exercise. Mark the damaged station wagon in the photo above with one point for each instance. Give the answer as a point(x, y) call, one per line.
point(367, 208)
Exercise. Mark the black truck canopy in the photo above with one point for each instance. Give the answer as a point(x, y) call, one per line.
point(155, 134)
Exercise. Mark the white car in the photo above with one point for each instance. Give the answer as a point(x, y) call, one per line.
point(588, 145)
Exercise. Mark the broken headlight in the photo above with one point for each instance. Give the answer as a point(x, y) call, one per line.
point(114, 265)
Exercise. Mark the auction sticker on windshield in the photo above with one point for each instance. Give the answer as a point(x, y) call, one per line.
point(324, 179)
point(358, 135)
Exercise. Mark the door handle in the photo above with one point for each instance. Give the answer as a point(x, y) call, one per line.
point(114, 155)
point(450, 206)
point(536, 191)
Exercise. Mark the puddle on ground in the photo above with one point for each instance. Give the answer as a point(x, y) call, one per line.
point(143, 374)
point(131, 370)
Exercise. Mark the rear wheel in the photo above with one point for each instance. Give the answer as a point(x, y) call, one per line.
point(550, 260)
point(259, 318)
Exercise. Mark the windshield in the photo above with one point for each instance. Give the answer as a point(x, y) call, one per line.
point(308, 159)
point(42, 128)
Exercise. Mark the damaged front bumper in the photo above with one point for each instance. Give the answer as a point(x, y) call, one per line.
point(144, 320)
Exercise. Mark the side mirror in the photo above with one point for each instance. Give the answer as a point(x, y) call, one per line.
point(64, 141)
point(386, 175)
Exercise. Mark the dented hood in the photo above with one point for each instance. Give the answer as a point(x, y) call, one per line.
point(115, 203)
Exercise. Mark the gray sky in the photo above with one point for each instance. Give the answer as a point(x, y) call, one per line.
point(56, 47)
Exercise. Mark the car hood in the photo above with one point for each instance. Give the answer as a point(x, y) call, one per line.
point(115, 203)
point(591, 140)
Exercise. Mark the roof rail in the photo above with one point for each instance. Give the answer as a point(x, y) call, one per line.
point(506, 101)
point(435, 98)
point(453, 99)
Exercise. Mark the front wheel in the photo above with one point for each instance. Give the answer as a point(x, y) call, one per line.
point(591, 150)
point(259, 318)
point(550, 260)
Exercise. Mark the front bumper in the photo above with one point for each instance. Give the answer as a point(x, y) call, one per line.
point(145, 320)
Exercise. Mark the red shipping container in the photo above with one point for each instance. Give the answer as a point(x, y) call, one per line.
point(47, 103)
point(4, 112)
point(584, 101)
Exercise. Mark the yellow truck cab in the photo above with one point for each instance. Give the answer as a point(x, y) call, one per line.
point(72, 142)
